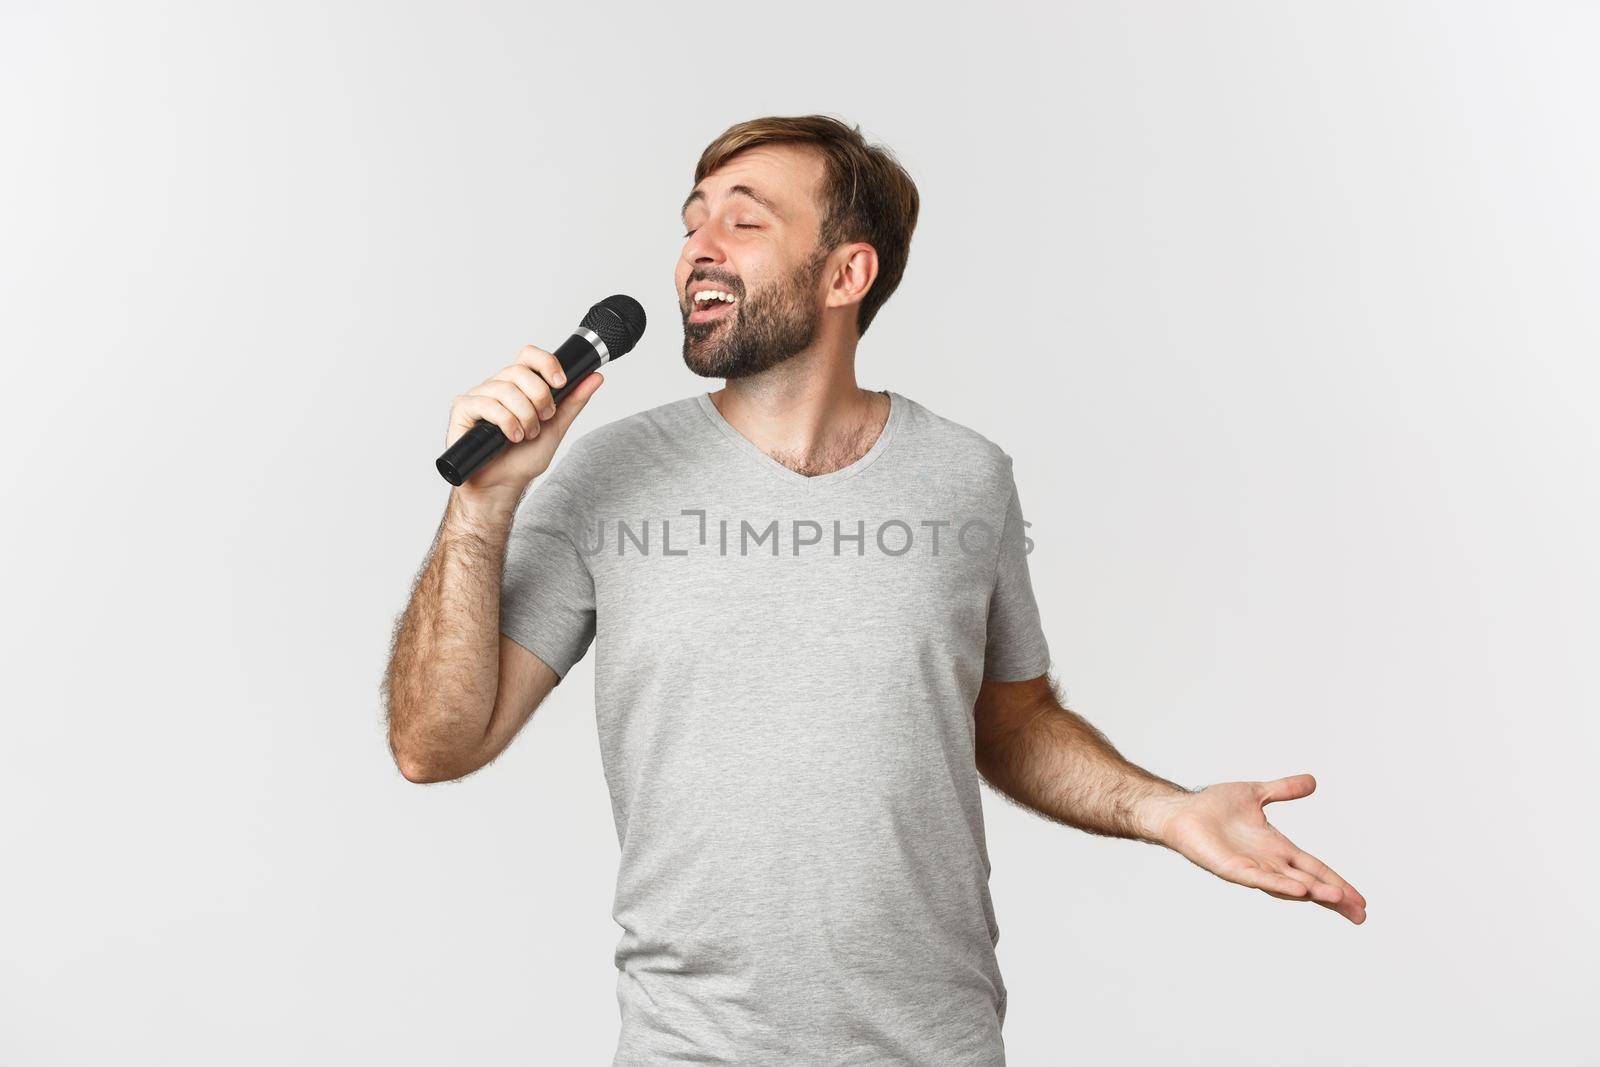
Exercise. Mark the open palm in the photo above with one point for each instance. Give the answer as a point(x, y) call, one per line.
point(1223, 829)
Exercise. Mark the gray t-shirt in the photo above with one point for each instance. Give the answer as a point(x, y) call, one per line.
point(785, 672)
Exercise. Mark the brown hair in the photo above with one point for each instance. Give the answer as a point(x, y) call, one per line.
point(866, 194)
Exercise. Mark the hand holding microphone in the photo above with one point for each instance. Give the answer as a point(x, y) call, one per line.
point(524, 410)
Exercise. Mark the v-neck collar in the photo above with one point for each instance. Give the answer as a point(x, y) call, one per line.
point(897, 406)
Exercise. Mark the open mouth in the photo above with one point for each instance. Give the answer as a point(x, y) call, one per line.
point(711, 305)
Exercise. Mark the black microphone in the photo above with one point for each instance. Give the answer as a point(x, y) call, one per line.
point(608, 332)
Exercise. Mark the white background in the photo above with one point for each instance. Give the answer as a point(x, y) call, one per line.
point(1286, 312)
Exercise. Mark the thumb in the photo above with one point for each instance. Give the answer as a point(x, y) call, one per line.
point(574, 402)
point(1291, 788)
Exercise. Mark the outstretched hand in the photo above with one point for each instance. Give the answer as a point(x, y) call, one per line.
point(1223, 829)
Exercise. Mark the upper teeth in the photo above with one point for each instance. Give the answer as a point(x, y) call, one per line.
point(712, 294)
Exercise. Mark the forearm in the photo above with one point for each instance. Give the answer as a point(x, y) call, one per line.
point(443, 671)
point(1053, 761)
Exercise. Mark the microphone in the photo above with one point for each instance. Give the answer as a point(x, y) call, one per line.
point(608, 332)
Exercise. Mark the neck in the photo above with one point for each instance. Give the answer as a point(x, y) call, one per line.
point(807, 413)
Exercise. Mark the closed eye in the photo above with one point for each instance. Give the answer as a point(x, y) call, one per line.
point(741, 226)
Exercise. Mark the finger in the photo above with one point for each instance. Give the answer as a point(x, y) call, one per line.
point(1268, 882)
point(1305, 861)
point(1326, 893)
point(1291, 788)
point(1352, 905)
point(1284, 896)
point(532, 386)
point(471, 407)
point(512, 396)
point(1318, 890)
point(543, 363)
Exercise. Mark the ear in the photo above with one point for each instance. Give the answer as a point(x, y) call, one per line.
point(853, 275)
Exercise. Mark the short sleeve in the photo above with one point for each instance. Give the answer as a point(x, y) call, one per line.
point(547, 602)
point(1016, 649)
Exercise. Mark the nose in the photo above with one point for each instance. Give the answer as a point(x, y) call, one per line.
point(702, 249)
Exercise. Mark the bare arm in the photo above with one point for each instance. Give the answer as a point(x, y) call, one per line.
point(456, 690)
point(1034, 751)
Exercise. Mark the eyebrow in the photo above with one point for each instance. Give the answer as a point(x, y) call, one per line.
point(733, 190)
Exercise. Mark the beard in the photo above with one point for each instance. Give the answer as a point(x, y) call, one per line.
point(762, 330)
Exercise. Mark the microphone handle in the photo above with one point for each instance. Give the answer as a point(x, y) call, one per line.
point(578, 357)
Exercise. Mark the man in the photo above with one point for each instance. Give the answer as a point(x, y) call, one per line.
point(814, 633)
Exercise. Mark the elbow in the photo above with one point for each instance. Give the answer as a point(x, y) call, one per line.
point(420, 767)
point(991, 748)
point(422, 746)
point(988, 765)
point(420, 772)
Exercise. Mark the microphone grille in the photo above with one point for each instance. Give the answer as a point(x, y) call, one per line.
point(619, 320)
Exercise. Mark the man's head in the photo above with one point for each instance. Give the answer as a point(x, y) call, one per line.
point(805, 225)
